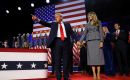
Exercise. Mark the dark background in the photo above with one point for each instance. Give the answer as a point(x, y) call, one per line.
point(20, 21)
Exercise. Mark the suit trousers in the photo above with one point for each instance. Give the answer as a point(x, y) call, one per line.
point(121, 55)
point(61, 56)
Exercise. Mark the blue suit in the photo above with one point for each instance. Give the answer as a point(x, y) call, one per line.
point(107, 48)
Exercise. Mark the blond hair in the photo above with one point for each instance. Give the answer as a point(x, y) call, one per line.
point(95, 21)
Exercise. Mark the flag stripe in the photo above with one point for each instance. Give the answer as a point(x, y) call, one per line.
point(23, 56)
point(79, 20)
point(40, 29)
point(79, 23)
point(78, 26)
point(37, 24)
point(73, 10)
point(23, 74)
point(74, 7)
point(68, 3)
point(42, 32)
point(74, 15)
point(75, 18)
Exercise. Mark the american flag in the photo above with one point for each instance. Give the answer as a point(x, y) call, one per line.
point(73, 12)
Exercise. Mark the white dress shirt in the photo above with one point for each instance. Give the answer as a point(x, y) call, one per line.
point(117, 32)
point(58, 32)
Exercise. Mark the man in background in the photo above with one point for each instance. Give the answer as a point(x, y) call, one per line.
point(121, 40)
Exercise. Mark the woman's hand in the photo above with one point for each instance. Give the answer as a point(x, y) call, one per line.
point(78, 44)
point(100, 44)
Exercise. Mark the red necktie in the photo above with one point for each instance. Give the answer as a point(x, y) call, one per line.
point(62, 33)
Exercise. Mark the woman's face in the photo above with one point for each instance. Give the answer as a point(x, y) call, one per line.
point(90, 17)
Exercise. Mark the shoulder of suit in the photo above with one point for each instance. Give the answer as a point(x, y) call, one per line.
point(66, 23)
point(122, 30)
point(88, 24)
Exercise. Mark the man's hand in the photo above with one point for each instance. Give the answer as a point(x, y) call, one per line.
point(34, 18)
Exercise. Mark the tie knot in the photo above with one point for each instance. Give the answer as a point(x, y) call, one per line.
point(60, 22)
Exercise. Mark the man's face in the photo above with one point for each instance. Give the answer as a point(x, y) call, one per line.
point(116, 26)
point(58, 18)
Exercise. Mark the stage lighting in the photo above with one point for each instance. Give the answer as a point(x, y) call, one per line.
point(47, 1)
point(19, 8)
point(32, 4)
point(7, 11)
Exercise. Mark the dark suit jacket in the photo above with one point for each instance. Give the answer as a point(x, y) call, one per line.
point(53, 32)
point(123, 37)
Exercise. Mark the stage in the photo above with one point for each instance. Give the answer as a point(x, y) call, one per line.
point(79, 76)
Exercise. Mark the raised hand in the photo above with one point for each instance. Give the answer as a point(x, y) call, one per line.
point(34, 18)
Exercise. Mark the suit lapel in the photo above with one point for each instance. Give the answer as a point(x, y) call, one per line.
point(120, 32)
point(56, 27)
point(65, 26)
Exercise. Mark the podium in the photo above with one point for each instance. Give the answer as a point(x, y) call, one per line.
point(23, 64)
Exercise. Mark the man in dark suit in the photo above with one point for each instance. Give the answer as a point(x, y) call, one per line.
point(59, 39)
point(120, 39)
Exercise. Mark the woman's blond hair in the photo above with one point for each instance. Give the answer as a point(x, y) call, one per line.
point(95, 19)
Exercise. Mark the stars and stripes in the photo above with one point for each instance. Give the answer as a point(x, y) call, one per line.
point(73, 12)
point(4, 66)
point(19, 66)
point(23, 64)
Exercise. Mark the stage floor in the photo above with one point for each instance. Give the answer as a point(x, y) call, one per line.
point(79, 76)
